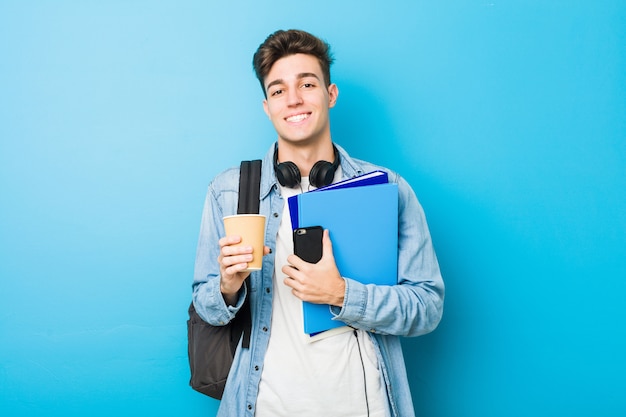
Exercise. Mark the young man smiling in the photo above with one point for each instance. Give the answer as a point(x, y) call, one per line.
point(355, 373)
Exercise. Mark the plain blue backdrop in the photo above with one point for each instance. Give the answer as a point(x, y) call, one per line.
point(507, 117)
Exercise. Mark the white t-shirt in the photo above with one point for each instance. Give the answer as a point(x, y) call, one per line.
point(328, 377)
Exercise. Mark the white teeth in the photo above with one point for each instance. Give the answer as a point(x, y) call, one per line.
point(297, 118)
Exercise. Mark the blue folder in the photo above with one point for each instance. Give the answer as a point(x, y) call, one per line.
point(363, 225)
point(371, 178)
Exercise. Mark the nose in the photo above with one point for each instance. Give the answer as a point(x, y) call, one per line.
point(294, 97)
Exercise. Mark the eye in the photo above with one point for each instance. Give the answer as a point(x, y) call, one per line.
point(276, 92)
point(308, 85)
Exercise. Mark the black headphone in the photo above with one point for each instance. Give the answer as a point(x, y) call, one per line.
point(321, 174)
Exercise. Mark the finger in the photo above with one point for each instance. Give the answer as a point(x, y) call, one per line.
point(290, 282)
point(236, 269)
point(236, 250)
point(296, 287)
point(266, 250)
point(229, 240)
point(228, 261)
point(296, 262)
point(292, 272)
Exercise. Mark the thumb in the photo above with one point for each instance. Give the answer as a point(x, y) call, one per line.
point(327, 245)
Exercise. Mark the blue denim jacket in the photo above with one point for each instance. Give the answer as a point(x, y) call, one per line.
point(411, 308)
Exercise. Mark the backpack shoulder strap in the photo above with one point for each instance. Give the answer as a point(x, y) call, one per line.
point(249, 203)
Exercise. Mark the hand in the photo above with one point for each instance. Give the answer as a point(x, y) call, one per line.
point(233, 261)
point(319, 283)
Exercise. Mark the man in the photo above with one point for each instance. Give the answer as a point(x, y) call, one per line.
point(360, 372)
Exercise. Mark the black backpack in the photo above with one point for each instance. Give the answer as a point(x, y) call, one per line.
point(211, 349)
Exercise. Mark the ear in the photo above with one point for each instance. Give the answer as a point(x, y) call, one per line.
point(333, 93)
point(266, 108)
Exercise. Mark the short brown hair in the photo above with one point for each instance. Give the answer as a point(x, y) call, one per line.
point(283, 43)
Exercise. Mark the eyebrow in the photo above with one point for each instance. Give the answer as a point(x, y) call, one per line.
point(299, 76)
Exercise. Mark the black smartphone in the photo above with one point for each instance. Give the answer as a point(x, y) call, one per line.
point(307, 243)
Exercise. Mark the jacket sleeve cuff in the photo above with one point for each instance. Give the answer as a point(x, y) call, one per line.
point(210, 304)
point(354, 303)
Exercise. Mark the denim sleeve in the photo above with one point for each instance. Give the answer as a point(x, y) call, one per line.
point(415, 305)
point(207, 295)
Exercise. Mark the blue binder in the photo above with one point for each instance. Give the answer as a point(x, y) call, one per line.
point(363, 225)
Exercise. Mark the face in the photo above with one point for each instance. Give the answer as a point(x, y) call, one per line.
point(298, 101)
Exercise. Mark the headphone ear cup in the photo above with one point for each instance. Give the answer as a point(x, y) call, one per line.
point(288, 174)
point(322, 174)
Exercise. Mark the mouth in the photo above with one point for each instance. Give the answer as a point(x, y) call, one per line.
point(297, 117)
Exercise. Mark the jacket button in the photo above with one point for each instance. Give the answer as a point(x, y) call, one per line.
point(275, 214)
point(264, 329)
point(256, 368)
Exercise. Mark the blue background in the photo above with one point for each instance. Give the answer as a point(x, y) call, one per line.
point(507, 117)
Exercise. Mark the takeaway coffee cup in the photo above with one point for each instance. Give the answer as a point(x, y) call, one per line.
point(251, 228)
